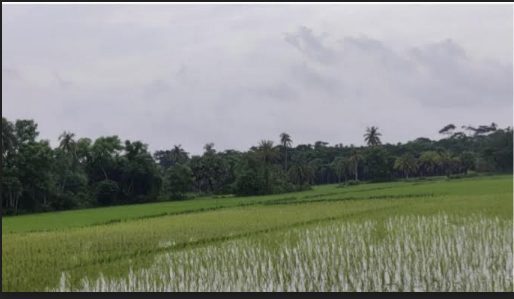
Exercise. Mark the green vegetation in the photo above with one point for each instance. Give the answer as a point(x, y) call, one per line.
point(82, 173)
point(439, 224)
point(404, 253)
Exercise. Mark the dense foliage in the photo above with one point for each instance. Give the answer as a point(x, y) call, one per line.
point(86, 173)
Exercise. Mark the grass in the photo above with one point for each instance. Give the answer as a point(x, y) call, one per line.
point(105, 215)
point(74, 250)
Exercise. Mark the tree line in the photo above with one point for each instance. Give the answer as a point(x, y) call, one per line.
point(81, 173)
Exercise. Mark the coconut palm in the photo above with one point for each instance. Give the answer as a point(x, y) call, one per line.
point(372, 136)
point(286, 141)
point(406, 164)
point(267, 152)
point(300, 173)
point(67, 144)
point(429, 161)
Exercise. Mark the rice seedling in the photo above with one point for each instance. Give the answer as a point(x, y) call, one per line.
point(416, 253)
point(446, 235)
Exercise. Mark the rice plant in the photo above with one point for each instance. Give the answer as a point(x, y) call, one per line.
point(405, 253)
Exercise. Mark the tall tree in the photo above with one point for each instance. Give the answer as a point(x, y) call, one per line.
point(179, 155)
point(67, 143)
point(104, 153)
point(372, 136)
point(179, 180)
point(447, 130)
point(286, 141)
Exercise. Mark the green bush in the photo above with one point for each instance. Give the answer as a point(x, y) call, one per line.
point(352, 183)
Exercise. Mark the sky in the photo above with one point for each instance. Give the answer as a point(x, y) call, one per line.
point(237, 74)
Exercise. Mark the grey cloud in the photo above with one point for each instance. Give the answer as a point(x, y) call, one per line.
point(62, 82)
point(438, 74)
point(310, 45)
point(229, 74)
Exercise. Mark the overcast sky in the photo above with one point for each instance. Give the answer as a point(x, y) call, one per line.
point(236, 74)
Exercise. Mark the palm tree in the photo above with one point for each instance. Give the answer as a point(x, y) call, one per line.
point(267, 152)
point(355, 159)
point(429, 161)
point(286, 141)
point(406, 164)
point(67, 143)
point(69, 146)
point(449, 163)
point(372, 136)
point(300, 173)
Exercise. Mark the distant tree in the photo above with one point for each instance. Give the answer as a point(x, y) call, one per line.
point(168, 158)
point(316, 165)
point(378, 164)
point(9, 141)
point(104, 154)
point(448, 129)
point(209, 148)
point(67, 143)
point(268, 154)
point(429, 161)
point(406, 164)
point(355, 158)
point(34, 162)
point(26, 131)
point(266, 151)
point(250, 178)
point(341, 167)
point(468, 160)
point(81, 173)
point(481, 130)
point(210, 171)
point(301, 174)
point(179, 180)
point(286, 141)
point(12, 189)
point(458, 136)
point(179, 155)
point(107, 192)
point(83, 147)
point(372, 136)
point(139, 179)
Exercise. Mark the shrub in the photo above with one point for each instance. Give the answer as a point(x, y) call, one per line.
point(352, 182)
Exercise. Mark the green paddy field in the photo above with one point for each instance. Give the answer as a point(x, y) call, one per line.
point(425, 235)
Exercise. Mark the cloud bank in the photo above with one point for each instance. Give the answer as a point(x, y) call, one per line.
point(233, 75)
